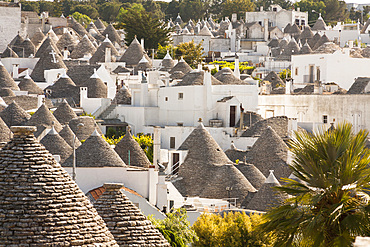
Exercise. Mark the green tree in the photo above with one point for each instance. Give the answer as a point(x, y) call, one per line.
point(328, 204)
point(30, 6)
point(172, 10)
point(191, 52)
point(237, 6)
point(285, 4)
point(283, 74)
point(86, 10)
point(146, 143)
point(45, 6)
point(176, 228)
point(233, 229)
point(108, 11)
point(312, 7)
point(335, 11)
point(193, 9)
point(138, 22)
point(162, 51)
point(153, 7)
point(82, 19)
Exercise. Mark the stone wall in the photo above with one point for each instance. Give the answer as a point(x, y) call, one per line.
point(10, 23)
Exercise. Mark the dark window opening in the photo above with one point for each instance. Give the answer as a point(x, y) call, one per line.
point(325, 119)
point(172, 142)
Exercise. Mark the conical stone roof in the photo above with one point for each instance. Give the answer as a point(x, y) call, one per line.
point(89, 126)
point(206, 171)
point(330, 47)
point(66, 40)
point(46, 47)
point(28, 48)
point(112, 34)
point(254, 176)
point(9, 53)
point(45, 206)
point(275, 79)
point(49, 60)
point(270, 152)
point(196, 78)
point(67, 134)
point(167, 63)
point(182, 66)
point(64, 87)
point(134, 54)
point(267, 197)
point(5, 132)
point(291, 49)
point(321, 41)
point(319, 25)
point(136, 157)
point(16, 43)
point(84, 47)
point(78, 28)
point(306, 49)
point(52, 35)
point(283, 43)
point(96, 87)
point(227, 77)
point(27, 84)
point(14, 115)
point(205, 31)
point(99, 55)
point(125, 221)
point(314, 40)
point(38, 38)
point(294, 29)
point(64, 113)
point(92, 26)
point(56, 145)
point(95, 152)
point(43, 117)
point(99, 24)
point(306, 34)
point(123, 97)
point(274, 43)
point(6, 81)
point(287, 28)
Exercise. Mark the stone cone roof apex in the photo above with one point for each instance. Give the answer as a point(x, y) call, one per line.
point(64, 75)
point(232, 146)
point(27, 75)
point(53, 131)
point(107, 39)
point(95, 75)
point(168, 56)
point(95, 133)
point(271, 179)
point(201, 125)
point(143, 60)
point(182, 60)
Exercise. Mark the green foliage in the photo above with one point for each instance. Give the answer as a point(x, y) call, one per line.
point(329, 204)
point(193, 9)
point(283, 75)
point(214, 71)
point(88, 114)
point(335, 11)
point(153, 7)
point(146, 143)
point(30, 6)
point(233, 229)
point(173, 9)
point(191, 52)
point(162, 51)
point(243, 66)
point(136, 21)
point(112, 140)
point(176, 228)
point(312, 7)
point(108, 11)
point(86, 10)
point(236, 6)
point(285, 4)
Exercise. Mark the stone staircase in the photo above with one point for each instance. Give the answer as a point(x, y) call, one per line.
point(107, 111)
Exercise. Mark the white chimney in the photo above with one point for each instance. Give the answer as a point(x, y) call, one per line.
point(108, 55)
point(153, 180)
point(261, 8)
point(142, 42)
point(65, 54)
point(15, 71)
point(40, 100)
point(350, 44)
point(236, 68)
point(266, 29)
point(156, 146)
point(288, 87)
point(200, 66)
point(234, 17)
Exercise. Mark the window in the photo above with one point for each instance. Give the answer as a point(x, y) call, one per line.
point(318, 73)
point(180, 124)
point(296, 71)
point(297, 21)
point(325, 119)
point(165, 98)
point(181, 95)
point(303, 22)
point(172, 142)
point(274, 9)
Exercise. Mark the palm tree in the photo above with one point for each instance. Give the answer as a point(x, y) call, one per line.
point(328, 204)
